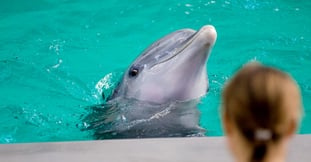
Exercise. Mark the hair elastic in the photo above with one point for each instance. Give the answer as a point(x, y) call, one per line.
point(263, 134)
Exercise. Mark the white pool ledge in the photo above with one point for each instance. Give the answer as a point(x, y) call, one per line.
point(201, 149)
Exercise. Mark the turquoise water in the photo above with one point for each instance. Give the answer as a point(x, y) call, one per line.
point(54, 52)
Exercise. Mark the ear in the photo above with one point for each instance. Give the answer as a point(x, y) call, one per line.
point(226, 123)
point(292, 128)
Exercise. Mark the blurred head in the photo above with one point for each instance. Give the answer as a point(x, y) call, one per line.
point(171, 69)
point(261, 110)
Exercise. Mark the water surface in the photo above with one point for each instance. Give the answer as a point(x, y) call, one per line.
point(54, 52)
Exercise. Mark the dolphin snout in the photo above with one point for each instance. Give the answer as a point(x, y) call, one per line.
point(208, 34)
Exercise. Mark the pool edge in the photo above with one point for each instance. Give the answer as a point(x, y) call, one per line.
point(129, 150)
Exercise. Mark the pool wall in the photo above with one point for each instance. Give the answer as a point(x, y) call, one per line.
point(195, 149)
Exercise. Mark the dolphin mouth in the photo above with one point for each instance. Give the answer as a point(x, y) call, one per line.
point(196, 35)
point(189, 41)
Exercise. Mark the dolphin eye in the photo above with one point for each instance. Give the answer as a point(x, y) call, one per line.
point(133, 72)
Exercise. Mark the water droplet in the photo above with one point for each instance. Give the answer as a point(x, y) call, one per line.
point(188, 5)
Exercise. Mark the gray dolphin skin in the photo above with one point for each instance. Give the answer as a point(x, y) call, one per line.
point(171, 69)
point(159, 92)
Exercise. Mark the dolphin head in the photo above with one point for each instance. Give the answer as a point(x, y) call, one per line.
point(171, 69)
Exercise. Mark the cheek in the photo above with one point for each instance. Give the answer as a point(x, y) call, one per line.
point(233, 143)
point(230, 143)
point(151, 92)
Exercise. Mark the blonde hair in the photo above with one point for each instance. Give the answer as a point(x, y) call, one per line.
point(262, 102)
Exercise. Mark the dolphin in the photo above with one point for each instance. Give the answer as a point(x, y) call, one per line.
point(159, 92)
point(173, 68)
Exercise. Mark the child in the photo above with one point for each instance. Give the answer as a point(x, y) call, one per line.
point(261, 111)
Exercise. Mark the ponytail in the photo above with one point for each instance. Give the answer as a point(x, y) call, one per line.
point(260, 139)
point(259, 152)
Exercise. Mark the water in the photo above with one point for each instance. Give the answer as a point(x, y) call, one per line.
point(121, 118)
point(54, 52)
